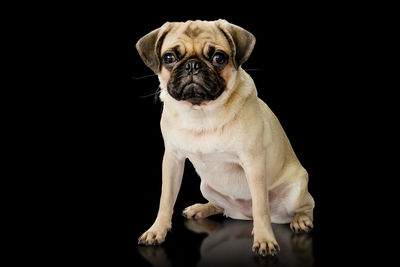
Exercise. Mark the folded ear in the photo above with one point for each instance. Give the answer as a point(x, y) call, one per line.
point(242, 42)
point(149, 47)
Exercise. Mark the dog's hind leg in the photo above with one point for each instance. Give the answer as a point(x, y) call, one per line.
point(201, 211)
point(302, 205)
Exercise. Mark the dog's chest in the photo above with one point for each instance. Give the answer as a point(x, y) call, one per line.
point(216, 162)
point(209, 154)
point(212, 154)
point(202, 145)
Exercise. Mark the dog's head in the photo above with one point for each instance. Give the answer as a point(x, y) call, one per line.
point(196, 60)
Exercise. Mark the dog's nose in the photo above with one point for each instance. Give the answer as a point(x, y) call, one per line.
point(192, 66)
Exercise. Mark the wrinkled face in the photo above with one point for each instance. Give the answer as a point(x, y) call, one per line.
point(196, 62)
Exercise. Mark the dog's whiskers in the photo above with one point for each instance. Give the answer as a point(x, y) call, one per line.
point(252, 69)
point(143, 77)
point(156, 94)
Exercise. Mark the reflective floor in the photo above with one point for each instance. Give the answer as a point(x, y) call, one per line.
point(228, 242)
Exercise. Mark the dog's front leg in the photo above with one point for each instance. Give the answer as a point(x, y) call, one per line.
point(172, 172)
point(264, 239)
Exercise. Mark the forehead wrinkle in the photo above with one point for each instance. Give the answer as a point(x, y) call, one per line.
point(217, 46)
point(195, 45)
point(192, 31)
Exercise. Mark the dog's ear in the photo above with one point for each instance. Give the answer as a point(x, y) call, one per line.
point(149, 47)
point(241, 41)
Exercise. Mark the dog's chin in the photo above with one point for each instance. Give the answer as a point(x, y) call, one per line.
point(196, 101)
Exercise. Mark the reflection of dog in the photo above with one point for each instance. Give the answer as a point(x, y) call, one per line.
point(156, 256)
point(212, 116)
point(225, 241)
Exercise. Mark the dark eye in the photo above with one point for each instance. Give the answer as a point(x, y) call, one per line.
point(219, 58)
point(169, 58)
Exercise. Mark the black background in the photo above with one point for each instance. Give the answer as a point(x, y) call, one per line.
point(308, 65)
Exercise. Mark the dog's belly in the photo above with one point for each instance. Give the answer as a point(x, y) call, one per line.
point(223, 173)
point(224, 183)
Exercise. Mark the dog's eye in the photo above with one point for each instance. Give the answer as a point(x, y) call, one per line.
point(219, 58)
point(169, 58)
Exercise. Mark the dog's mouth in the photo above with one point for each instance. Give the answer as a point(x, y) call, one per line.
point(195, 89)
point(195, 93)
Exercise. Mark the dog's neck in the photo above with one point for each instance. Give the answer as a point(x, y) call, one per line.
point(215, 114)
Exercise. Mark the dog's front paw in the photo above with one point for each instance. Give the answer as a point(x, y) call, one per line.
point(264, 246)
point(153, 236)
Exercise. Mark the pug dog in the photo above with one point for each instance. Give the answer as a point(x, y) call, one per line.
point(213, 117)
